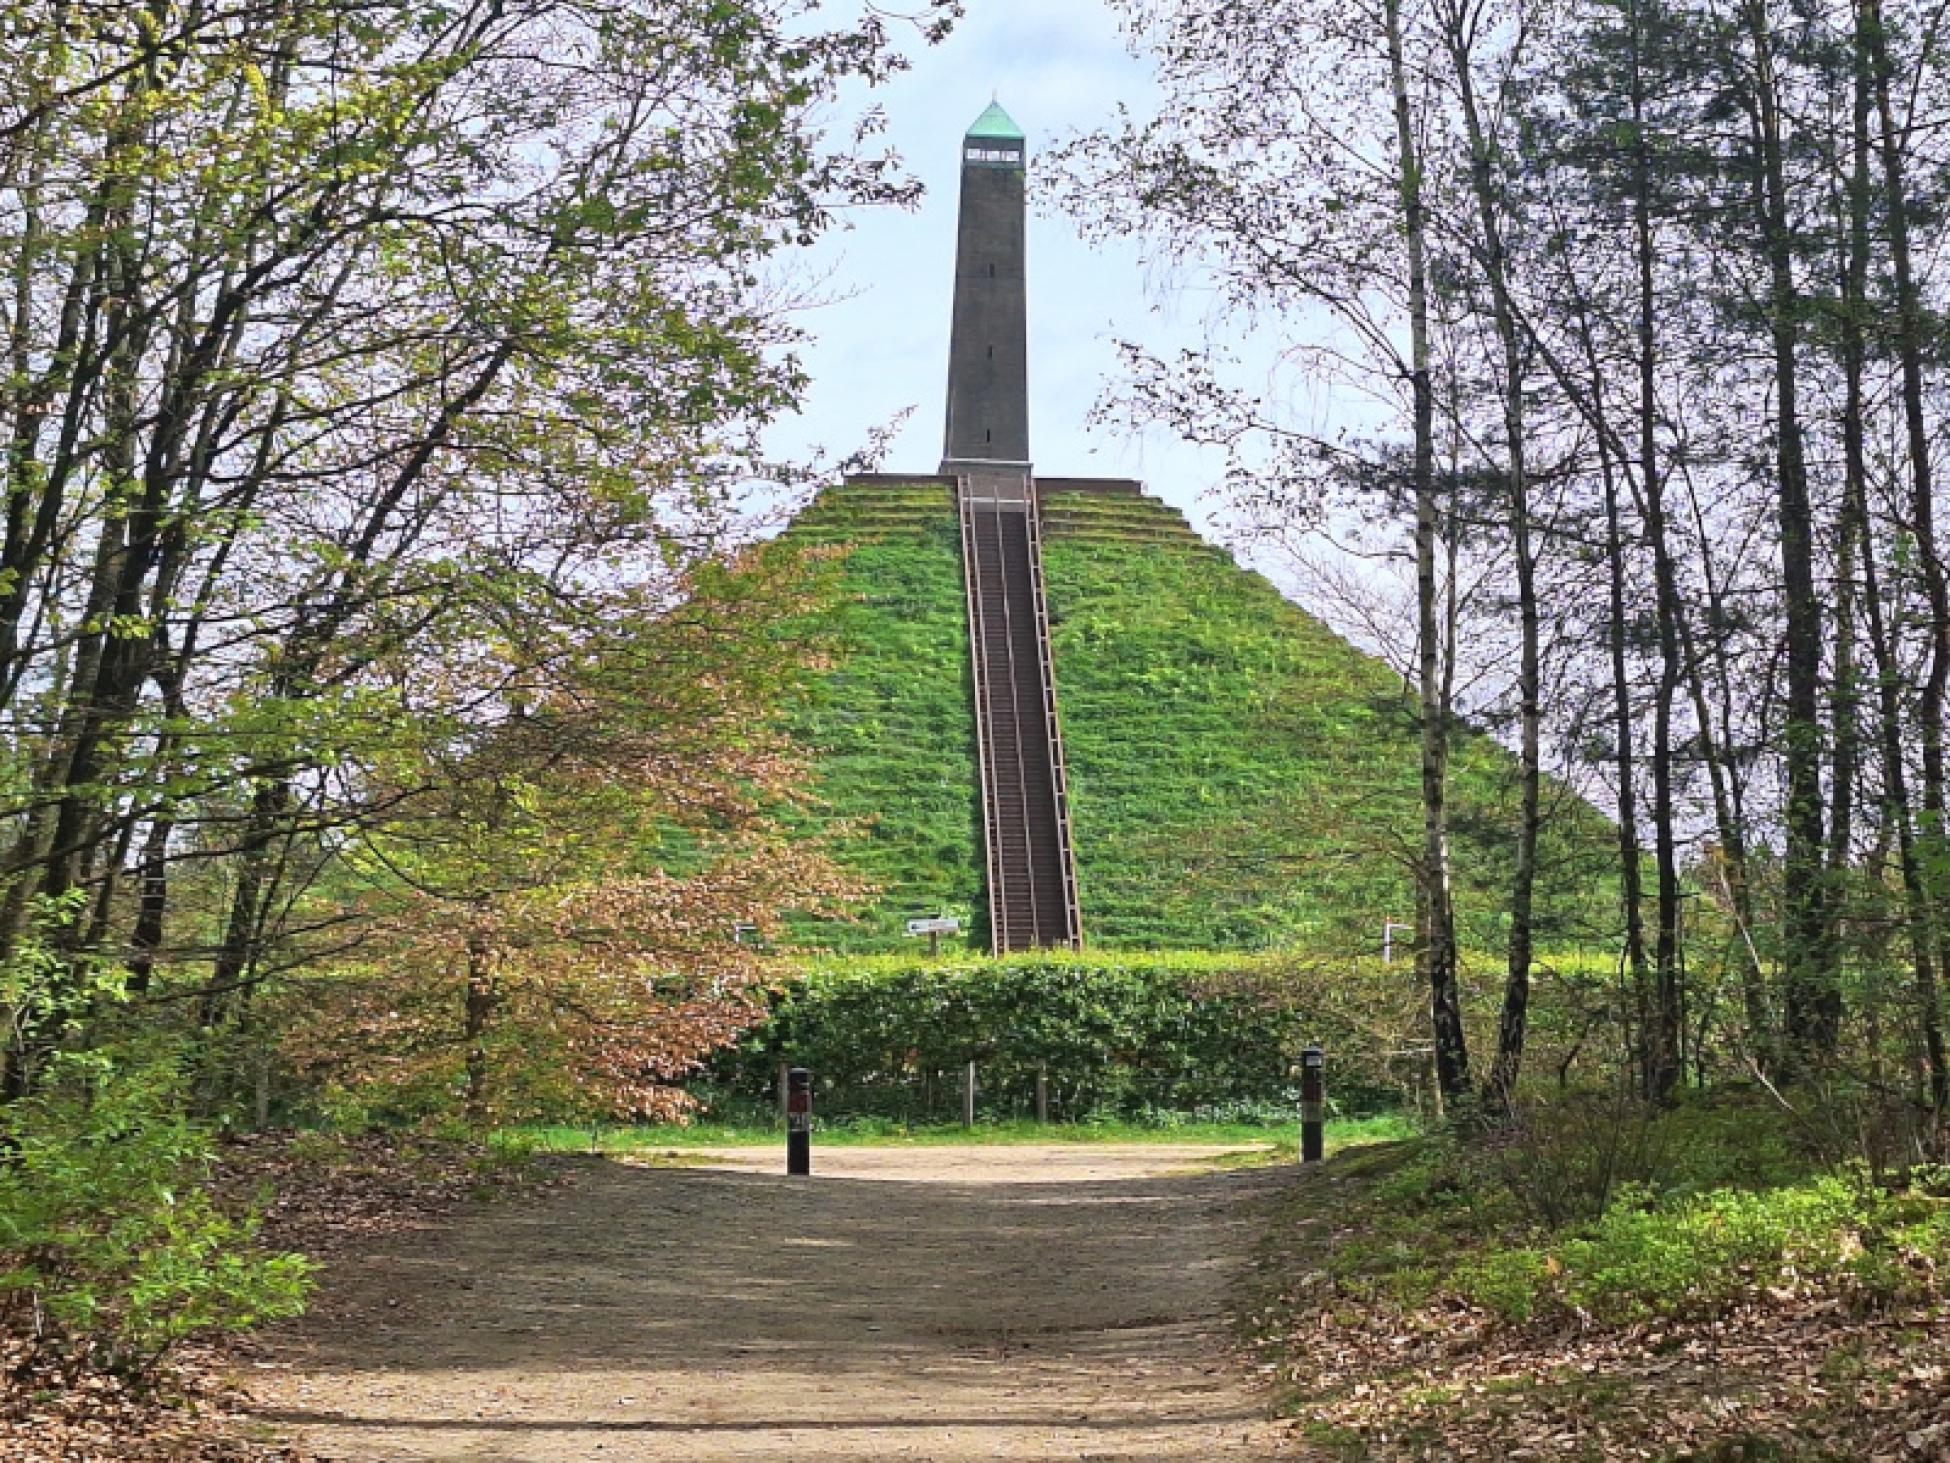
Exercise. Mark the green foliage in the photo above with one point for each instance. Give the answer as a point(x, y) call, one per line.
point(508, 1150)
point(106, 1229)
point(1597, 1212)
point(1241, 776)
point(42, 985)
point(1508, 1282)
point(1702, 1256)
point(1135, 1036)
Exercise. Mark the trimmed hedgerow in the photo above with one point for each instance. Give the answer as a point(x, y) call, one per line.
point(1126, 1036)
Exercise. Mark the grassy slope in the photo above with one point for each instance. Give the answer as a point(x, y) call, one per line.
point(1241, 776)
point(1228, 757)
point(893, 724)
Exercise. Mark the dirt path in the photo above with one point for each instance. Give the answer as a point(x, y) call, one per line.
point(1061, 1302)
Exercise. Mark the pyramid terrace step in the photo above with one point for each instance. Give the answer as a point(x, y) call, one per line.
point(1157, 513)
point(941, 512)
point(1059, 527)
point(1123, 536)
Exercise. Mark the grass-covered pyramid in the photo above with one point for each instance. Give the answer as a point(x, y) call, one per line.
point(1240, 776)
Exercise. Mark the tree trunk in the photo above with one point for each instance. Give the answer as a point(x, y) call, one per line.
point(483, 995)
point(1436, 949)
point(1898, 812)
point(1514, 1020)
point(1910, 343)
point(257, 881)
point(1813, 992)
point(1665, 1052)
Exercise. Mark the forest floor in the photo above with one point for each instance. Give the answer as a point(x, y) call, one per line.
point(940, 1303)
point(1796, 1372)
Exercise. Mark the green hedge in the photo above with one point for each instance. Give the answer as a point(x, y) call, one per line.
point(1124, 1035)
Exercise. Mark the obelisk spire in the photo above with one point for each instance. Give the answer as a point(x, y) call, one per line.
point(988, 354)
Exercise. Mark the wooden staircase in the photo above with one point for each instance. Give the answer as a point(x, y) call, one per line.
point(1032, 877)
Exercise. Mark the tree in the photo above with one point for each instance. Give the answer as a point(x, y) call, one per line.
point(568, 910)
point(344, 343)
point(1654, 264)
point(1291, 167)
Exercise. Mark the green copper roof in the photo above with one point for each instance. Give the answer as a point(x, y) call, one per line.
point(996, 125)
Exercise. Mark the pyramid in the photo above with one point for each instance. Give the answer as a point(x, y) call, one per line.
point(1061, 717)
point(1240, 776)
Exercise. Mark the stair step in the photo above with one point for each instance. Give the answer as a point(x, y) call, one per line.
point(1029, 858)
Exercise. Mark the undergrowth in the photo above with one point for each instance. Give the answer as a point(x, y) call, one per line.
point(1610, 1280)
point(112, 1248)
point(1700, 1257)
point(1702, 1209)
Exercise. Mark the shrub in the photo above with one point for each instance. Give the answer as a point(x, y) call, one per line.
point(1507, 1283)
point(1564, 1159)
point(108, 1236)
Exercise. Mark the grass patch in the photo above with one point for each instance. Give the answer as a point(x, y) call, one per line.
point(1284, 1137)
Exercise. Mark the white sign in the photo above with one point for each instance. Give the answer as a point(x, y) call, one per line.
point(934, 927)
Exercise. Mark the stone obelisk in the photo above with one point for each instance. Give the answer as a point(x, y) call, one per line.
point(988, 354)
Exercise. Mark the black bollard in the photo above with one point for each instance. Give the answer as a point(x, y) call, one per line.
point(1313, 1105)
point(798, 1121)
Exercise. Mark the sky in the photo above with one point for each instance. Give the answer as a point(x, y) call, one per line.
point(880, 345)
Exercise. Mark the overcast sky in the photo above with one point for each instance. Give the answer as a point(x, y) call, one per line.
point(881, 346)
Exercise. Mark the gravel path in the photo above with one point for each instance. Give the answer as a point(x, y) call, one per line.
point(1058, 1302)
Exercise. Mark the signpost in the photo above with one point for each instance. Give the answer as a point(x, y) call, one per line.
point(934, 929)
point(1388, 929)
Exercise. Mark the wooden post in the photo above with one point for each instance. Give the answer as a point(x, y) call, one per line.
point(262, 1084)
point(968, 1097)
point(1313, 1105)
point(1042, 1093)
point(798, 1123)
point(785, 1083)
